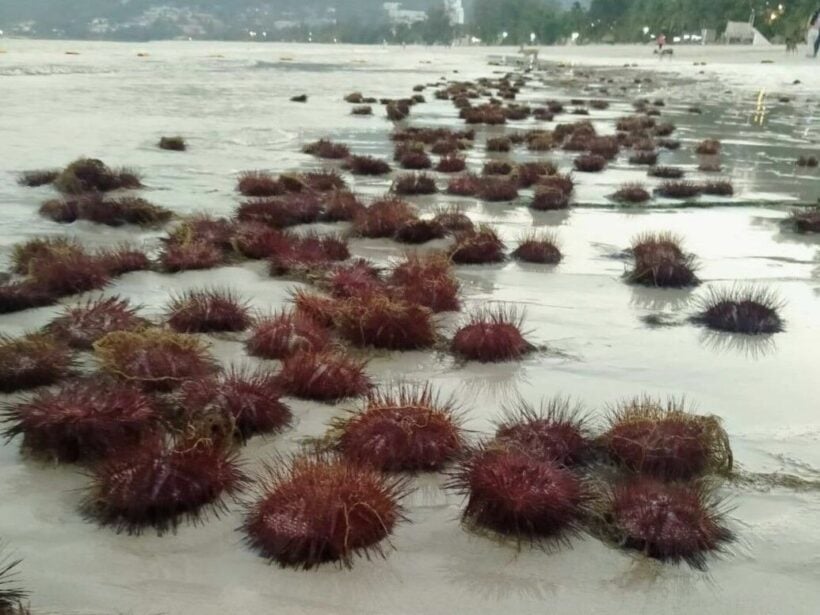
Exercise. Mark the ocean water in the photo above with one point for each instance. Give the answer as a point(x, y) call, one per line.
point(231, 101)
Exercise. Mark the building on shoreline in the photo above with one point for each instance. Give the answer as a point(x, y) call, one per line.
point(398, 16)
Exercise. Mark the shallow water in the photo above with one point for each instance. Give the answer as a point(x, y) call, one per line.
point(231, 102)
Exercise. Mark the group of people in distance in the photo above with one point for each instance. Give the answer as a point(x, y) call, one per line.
point(812, 37)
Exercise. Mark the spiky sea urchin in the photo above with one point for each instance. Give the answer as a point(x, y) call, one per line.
point(23, 295)
point(514, 494)
point(678, 189)
point(427, 280)
point(32, 361)
point(206, 311)
point(538, 248)
point(382, 321)
point(383, 218)
point(68, 271)
point(401, 428)
point(308, 253)
point(477, 247)
point(284, 334)
point(667, 521)
point(11, 595)
point(419, 231)
point(80, 326)
point(454, 219)
point(326, 376)
point(661, 262)
point(160, 484)
point(631, 193)
point(190, 256)
point(359, 278)
point(806, 221)
point(156, 359)
point(554, 431)
point(320, 509)
point(122, 259)
point(665, 441)
point(85, 420)
point(318, 307)
point(249, 398)
point(491, 335)
point(748, 310)
point(324, 148)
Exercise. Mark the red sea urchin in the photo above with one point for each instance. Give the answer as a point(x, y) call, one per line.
point(589, 163)
point(414, 183)
point(80, 326)
point(156, 359)
point(85, 420)
point(555, 431)
point(669, 522)
point(367, 165)
point(285, 334)
point(427, 280)
point(403, 428)
point(324, 148)
point(665, 441)
point(189, 256)
point(385, 322)
point(451, 163)
point(68, 271)
point(249, 398)
point(419, 231)
point(306, 253)
point(538, 248)
point(661, 262)
point(159, 484)
point(123, 259)
point(359, 278)
point(631, 193)
point(326, 376)
point(319, 509)
point(512, 493)
point(207, 311)
point(491, 335)
point(32, 361)
point(23, 295)
point(806, 221)
point(259, 184)
point(477, 247)
point(752, 311)
point(383, 218)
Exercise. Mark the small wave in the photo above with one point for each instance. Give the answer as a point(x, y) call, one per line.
point(315, 67)
point(50, 70)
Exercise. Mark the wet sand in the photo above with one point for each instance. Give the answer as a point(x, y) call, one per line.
point(597, 344)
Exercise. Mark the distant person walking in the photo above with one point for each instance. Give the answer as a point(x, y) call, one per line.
point(813, 38)
point(661, 40)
